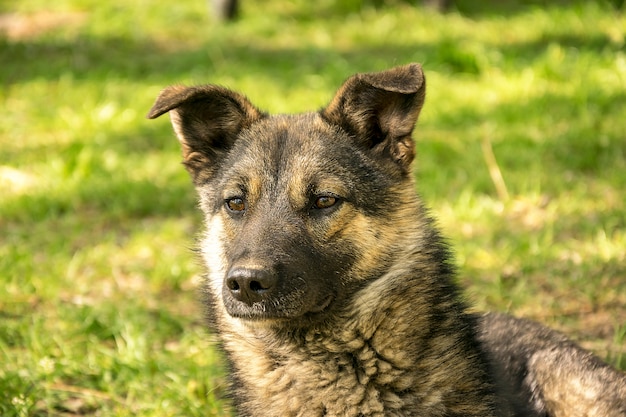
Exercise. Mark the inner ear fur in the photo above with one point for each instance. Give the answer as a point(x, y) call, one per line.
point(207, 120)
point(380, 110)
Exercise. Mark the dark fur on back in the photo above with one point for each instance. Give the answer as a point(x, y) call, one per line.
point(550, 372)
point(331, 290)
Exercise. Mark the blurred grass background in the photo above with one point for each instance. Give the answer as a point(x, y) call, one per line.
point(98, 295)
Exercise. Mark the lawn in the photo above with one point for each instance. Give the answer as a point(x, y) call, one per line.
point(521, 156)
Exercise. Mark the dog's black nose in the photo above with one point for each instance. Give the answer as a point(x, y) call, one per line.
point(250, 285)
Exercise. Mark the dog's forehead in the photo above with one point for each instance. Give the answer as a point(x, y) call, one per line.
point(285, 142)
point(290, 152)
point(291, 129)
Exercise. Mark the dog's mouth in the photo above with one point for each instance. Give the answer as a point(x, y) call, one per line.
point(275, 310)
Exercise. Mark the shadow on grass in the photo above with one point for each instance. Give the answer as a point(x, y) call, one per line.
point(92, 60)
point(507, 8)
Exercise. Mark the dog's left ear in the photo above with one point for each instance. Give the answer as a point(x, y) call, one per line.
point(379, 110)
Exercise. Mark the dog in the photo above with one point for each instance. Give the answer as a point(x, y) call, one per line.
point(329, 286)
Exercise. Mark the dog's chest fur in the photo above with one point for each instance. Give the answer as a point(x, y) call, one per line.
point(316, 375)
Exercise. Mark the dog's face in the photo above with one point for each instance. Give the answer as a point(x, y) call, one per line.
point(299, 209)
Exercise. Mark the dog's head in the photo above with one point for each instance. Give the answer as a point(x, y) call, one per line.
point(300, 209)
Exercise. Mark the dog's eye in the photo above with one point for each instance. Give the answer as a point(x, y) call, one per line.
point(325, 202)
point(236, 204)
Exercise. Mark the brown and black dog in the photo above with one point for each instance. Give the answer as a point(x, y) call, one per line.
point(331, 290)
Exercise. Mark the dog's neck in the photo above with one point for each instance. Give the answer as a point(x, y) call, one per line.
point(364, 361)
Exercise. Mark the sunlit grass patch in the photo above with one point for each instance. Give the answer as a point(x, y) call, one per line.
point(100, 283)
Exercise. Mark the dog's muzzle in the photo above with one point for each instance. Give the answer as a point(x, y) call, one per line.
point(273, 293)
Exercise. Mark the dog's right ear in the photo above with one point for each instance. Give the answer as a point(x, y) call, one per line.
point(206, 120)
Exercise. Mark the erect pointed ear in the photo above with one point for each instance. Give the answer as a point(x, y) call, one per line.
point(207, 120)
point(379, 110)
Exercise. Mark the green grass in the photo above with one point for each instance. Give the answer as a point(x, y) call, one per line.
point(98, 294)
